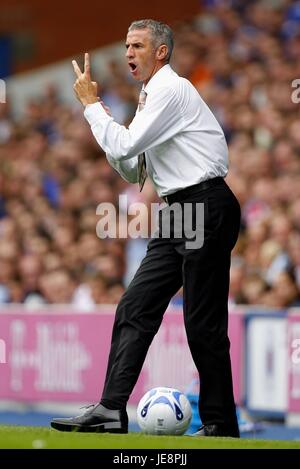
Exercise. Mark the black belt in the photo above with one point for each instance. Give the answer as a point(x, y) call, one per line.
point(188, 191)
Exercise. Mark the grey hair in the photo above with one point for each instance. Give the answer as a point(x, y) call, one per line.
point(161, 33)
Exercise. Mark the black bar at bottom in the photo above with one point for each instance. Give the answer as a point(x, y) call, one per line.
point(148, 459)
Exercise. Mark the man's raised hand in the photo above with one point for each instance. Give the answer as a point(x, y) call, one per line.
point(85, 89)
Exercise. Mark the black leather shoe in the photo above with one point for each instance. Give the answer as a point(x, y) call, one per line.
point(96, 419)
point(217, 429)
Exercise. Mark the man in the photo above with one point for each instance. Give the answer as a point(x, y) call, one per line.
point(176, 138)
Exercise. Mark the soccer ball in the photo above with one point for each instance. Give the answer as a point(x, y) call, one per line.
point(164, 411)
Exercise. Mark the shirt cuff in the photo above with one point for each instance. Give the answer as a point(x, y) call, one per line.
point(94, 112)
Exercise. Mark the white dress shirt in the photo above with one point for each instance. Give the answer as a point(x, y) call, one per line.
point(181, 138)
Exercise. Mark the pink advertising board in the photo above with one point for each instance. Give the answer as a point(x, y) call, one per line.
point(294, 361)
point(56, 355)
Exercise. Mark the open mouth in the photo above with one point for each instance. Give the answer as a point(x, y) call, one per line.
point(132, 66)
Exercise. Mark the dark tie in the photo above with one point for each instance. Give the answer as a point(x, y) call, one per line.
point(142, 172)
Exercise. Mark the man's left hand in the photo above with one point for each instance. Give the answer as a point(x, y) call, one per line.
point(85, 89)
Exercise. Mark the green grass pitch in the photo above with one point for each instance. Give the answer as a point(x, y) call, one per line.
point(15, 437)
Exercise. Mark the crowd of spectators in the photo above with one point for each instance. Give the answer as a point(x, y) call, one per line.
point(243, 58)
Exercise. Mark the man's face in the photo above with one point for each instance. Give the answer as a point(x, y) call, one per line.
point(142, 55)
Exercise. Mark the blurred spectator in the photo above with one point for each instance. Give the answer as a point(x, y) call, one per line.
point(237, 278)
point(30, 269)
point(253, 289)
point(57, 287)
point(286, 290)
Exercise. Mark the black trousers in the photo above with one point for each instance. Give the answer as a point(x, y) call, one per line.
point(204, 274)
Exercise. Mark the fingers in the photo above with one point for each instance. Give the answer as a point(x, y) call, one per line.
point(76, 68)
point(87, 69)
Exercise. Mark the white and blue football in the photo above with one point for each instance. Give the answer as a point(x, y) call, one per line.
point(164, 411)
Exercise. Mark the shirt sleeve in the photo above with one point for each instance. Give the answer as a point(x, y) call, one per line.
point(127, 169)
point(159, 121)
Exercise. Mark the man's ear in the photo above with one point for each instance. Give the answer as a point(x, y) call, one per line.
point(162, 52)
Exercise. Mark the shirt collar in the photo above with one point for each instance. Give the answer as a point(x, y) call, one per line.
point(158, 78)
